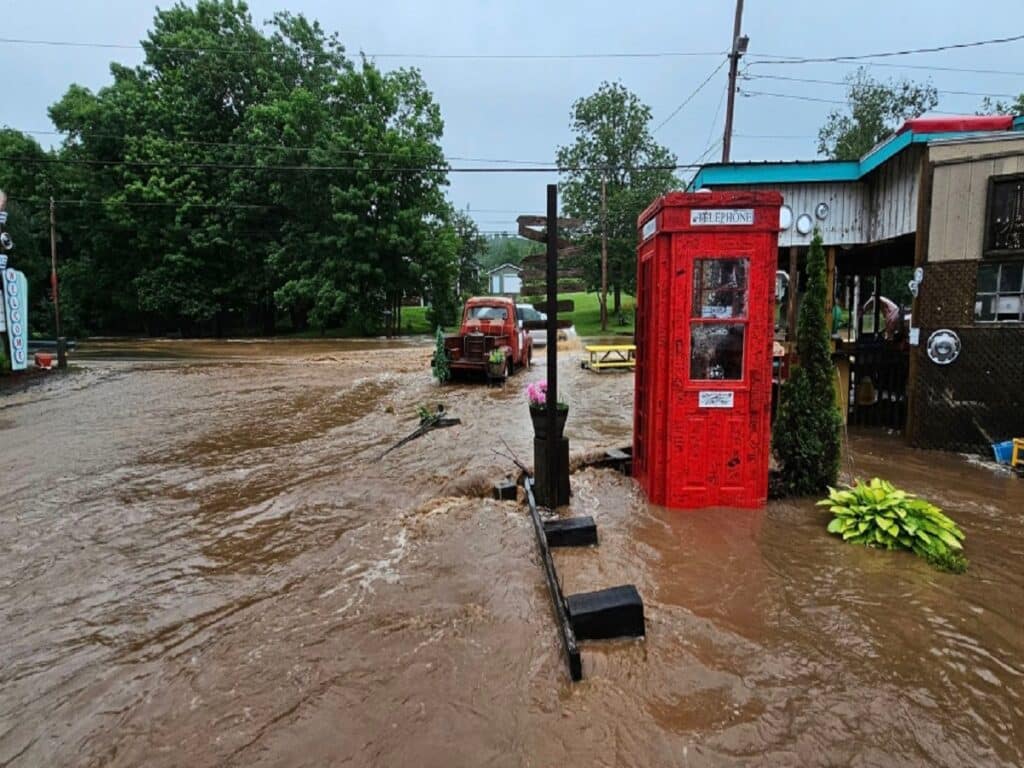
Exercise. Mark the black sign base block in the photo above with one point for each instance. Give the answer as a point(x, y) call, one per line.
point(607, 613)
point(541, 465)
point(571, 532)
point(505, 490)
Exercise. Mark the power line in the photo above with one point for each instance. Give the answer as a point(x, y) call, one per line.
point(241, 145)
point(780, 59)
point(920, 67)
point(689, 98)
point(327, 168)
point(791, 96)
point(846, 84)
point(380, 55)
point(798, 97)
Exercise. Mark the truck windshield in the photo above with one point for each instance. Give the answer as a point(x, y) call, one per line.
point(487, 313)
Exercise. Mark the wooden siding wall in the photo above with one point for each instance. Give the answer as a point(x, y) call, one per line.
point(959, 194)
point(892, 197)
point(846, 223)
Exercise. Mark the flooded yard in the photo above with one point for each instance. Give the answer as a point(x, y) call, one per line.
point(204, 561)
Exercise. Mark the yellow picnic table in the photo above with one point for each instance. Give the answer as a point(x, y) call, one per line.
point(610, 356)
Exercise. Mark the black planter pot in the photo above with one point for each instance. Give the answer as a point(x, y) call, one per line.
point(540, 421)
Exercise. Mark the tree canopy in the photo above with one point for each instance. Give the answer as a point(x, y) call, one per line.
point(614, 141)
point(245, 178)
point(875, 110)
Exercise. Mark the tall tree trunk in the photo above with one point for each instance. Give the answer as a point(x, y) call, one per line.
point(618, 299)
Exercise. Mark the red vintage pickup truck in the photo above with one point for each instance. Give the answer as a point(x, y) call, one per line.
point(489, 323)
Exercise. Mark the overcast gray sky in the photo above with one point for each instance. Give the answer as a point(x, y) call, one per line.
point(519, 109)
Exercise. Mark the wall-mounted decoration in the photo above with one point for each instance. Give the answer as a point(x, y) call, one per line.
point(943, 347)
point(785, 217)
point(804, 224)
point(821, 211)
point(1004, 222)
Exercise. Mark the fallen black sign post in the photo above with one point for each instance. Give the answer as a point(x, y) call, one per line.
point(572, 652)
point(606, 613)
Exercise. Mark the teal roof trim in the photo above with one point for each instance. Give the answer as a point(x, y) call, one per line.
point(824, 170)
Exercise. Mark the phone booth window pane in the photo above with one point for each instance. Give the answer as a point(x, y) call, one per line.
point(716, 351)
point(720, 288)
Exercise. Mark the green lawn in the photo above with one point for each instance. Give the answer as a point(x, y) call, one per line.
point(586, 317)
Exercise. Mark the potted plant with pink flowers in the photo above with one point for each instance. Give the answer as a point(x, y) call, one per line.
point(537, 394)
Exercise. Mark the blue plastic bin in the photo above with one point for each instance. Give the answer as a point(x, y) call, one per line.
point(1003, 451)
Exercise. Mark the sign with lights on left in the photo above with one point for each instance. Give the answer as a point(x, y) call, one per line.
point(15, 290)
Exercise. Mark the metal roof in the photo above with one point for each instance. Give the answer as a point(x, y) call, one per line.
point(919, 131)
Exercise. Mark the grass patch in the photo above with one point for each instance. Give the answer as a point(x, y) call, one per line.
point(586, 317)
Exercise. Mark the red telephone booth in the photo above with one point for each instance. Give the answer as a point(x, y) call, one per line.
point(705, 297)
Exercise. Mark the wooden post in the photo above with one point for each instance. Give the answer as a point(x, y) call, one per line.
point(62, 355)
point(794, 290)
point(734, 60)
point(830, 282)
point(924, 218)
point(604, 251)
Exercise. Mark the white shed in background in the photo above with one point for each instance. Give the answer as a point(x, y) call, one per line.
point(505, 280)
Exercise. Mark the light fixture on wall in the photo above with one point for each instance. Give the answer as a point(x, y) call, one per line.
point(943, 347)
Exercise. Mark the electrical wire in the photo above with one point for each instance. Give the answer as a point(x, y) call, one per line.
point(781, 59)
point(325, 168)
point(274, 147)
point(847, 84)
point(689, 98)
point(380, 55)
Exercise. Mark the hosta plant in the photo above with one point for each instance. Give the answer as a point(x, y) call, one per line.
point(876, 514)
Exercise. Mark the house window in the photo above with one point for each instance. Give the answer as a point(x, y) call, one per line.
point(1000, 296)
point(718, 320)
point(1004, 223)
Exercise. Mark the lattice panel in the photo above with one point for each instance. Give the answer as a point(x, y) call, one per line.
point(976, 400)
point(947, 295)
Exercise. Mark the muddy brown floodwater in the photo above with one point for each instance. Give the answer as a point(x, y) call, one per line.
point(204, 562)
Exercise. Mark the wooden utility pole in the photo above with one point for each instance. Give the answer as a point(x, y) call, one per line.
point(62, 357)
point(604, 251)
point(739, 47)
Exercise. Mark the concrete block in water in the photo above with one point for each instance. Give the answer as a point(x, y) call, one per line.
point(614, 612)
point(505, 490)
point(571, 532)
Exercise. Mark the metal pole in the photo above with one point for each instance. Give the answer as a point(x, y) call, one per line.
point(734, 60)
point(552, 395)
point(604, 251)
point(62, 357)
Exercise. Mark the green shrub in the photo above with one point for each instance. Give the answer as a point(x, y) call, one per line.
point(876, 514)
point(805, 437)
point(439, 363)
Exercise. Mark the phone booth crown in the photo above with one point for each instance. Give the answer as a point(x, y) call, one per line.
point(706, 264)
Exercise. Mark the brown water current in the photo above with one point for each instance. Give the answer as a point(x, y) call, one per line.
point(204, 561)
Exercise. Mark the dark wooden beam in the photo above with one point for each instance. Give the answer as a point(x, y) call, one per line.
point(572, 651)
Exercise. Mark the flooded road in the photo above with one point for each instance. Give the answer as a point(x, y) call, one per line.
point(204, 561)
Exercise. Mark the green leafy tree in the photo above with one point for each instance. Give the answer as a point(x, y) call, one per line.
point(244, 176)
point(29, 181)
point(472, 246)
point(806, 435)
point(614, 141)
point(990, 106)
point(874, 112)
point(506, 249)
